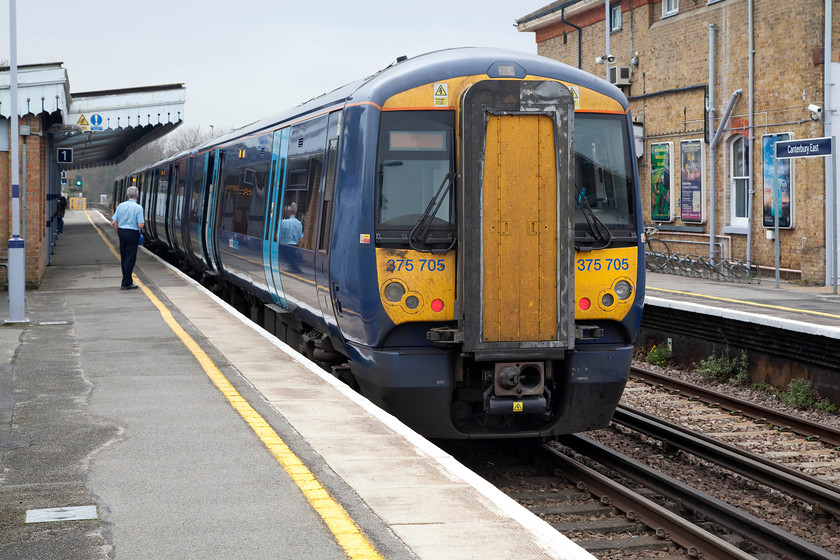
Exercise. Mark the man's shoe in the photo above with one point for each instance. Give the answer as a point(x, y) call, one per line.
point(131, 287)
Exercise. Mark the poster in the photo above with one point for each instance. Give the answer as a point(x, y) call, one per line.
point(661, 182)
point(692, 181)
point(784, 183)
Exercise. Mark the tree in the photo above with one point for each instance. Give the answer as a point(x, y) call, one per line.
point(184, 138)
point(100, 180)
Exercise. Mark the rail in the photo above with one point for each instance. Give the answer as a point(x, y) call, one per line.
point(781, 420)
point(748, 526)
point(667, 524)
point(823, 496)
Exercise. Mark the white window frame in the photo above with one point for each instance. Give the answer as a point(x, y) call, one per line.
point(736, 179)
point(670, 7)
point(615, 17)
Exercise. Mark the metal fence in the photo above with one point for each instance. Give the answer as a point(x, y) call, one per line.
point(696, 266)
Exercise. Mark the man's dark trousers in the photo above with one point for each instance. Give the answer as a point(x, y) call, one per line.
point(129, 241)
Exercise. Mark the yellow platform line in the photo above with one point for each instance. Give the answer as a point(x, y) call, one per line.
point(345, 531)
point(754, 304)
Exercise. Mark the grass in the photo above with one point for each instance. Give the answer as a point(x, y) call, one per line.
point(725, 369)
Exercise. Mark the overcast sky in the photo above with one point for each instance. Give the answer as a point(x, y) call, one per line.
point(248, 59)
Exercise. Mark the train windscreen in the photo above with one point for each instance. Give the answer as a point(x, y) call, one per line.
point(604, 191)
point(415, 175)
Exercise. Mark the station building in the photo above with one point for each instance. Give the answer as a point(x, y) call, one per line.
point(712, 85)
point(61, 131)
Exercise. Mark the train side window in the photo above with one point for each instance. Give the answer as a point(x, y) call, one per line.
point(301, 197)
point(333, 129)
point(160, 195)
point(244, 189)
point(195, 194)
point(300, 200)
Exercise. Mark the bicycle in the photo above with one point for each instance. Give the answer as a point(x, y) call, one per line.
point(657, 252)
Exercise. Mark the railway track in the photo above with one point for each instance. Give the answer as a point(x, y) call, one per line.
point(635, 511)
point(616, 507)
point(761, 414)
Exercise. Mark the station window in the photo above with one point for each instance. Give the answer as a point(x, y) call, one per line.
point(615, 17)
point(670, 7)
point(739, 186)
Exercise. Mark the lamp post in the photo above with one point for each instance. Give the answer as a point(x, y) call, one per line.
point(17, 246)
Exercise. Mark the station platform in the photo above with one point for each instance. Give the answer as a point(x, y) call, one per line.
point(811, 310)
point(158, 423)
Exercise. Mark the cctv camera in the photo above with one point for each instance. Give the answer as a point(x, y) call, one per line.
point(599, 60)
point(815, 109)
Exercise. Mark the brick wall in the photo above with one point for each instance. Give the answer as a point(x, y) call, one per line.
point(674, 53)
point(33, 209)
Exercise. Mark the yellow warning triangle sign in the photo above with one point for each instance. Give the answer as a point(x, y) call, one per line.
point(440, 91)
point(82, 121)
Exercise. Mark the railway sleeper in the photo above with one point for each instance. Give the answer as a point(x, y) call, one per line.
point(630, 543)
point(605, 526)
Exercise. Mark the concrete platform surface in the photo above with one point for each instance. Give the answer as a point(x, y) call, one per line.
point(202, 449)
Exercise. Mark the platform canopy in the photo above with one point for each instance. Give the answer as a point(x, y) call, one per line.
point(101, 127)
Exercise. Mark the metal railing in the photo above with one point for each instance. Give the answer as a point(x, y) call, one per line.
point(658, 258)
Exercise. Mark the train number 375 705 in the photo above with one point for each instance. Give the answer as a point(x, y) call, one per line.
point(423, 265)
point(585, 265)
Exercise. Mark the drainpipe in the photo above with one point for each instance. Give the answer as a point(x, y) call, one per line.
point(710, 102)
point(712, 147)
point(607, 34)
point(580, 44)
point(751, 132)
point(830, 171)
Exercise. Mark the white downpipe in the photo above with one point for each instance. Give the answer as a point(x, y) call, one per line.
point(711, 109)
point(607, 33)
point(751, 139)
point(830, 171)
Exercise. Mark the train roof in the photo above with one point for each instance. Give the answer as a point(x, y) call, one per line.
point(407, 73)
point(426, 68)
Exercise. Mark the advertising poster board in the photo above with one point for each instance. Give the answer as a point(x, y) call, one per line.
point(692, 181)
point(662, 182)
point(784, 183)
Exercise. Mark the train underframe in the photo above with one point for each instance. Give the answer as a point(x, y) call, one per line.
point(444, 393)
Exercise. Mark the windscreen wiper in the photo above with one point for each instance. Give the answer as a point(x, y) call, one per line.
point(600, 232)
point(420, 232)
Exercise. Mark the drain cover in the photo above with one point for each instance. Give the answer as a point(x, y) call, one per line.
point(76, 513)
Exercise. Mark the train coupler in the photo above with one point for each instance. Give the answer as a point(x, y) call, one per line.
point(528, 405)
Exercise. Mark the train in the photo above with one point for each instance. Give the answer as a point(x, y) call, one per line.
point(458, 236)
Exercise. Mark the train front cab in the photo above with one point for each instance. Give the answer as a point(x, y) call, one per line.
point(509, 357)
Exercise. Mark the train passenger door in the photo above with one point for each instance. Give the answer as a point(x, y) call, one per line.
point(328, 291)
point(518, 216)
point(271, 239)
point(214, 163)
point(175, 204)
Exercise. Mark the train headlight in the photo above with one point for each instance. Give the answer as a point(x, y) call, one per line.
point(412, 302)
point(623, 289)
point(607, 300)
point(394, 292)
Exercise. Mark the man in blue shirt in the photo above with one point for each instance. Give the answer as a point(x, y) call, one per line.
point(291, 230)
point(127, 221)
